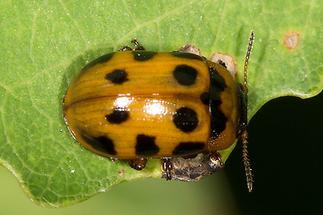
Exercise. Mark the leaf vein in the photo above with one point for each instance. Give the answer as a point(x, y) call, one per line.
point(157, 19)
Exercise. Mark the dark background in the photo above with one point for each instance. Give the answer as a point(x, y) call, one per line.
point(286, 148)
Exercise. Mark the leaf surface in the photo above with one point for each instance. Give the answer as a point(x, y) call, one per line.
point(45, 43)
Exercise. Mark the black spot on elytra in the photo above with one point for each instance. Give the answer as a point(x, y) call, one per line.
point(217, 81)
point(143, 55)
point(102, 143)
point(186, 55)
point(117, 116)
point(185, 75)
point(185, 119)
point(205, 98)
point(218, 119)
point(103, 59)
point(145, 145)
point(185, 148)
point(117, 76)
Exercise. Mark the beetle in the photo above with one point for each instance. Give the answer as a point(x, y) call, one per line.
point(135, 104)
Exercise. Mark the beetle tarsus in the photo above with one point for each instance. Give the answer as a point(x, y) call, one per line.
point(125, 48)
point(215, 162)
point(137, 45)
point(138, 163)
point(167, 167)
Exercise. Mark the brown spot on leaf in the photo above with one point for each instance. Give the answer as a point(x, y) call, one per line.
point(121, 172)
point(291, 40)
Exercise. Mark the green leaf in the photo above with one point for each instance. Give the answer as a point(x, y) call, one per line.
point(44, 43)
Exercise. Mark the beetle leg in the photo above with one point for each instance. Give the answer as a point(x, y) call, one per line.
point(113, 159)
point(138, 163)
point(188, 48)
point(125, 48)
point(215, 162)
point(137, 45)
point(167, 167)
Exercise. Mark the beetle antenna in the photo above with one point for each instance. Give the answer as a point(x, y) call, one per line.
point(244, 133)
point(246, 62)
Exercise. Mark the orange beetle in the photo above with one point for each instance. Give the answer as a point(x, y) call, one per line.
point(135, 104)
